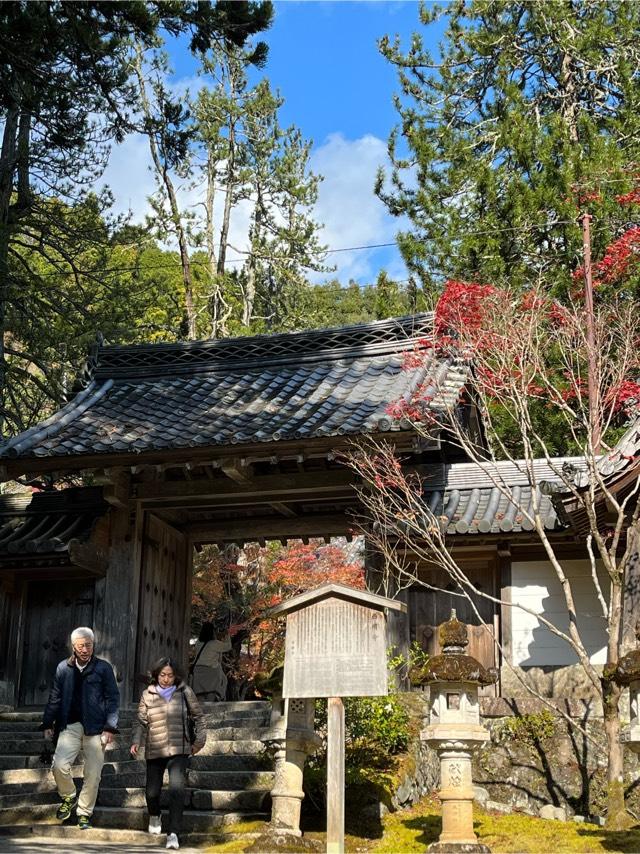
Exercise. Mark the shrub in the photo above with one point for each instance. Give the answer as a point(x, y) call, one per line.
point(531, 729)
point(376, 728)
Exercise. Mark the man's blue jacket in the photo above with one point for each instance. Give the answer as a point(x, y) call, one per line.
point(100, 697)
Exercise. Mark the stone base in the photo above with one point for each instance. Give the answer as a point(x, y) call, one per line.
point(459, 848)
point(280, 840)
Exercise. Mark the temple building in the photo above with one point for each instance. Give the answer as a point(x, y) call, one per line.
point(240, 440)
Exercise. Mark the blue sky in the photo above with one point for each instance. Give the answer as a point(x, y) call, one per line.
point(338, 90)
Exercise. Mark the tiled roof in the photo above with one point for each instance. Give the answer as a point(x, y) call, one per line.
point(470, 498)
point(624, 454)
point(243, 390)
point(47, 523)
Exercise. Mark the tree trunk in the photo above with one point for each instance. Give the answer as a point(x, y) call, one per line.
point(249, 295)
point(617, 817)
point(569, 104)
point(190, 314)
point(228, 199)
point(8, 164)
point(189, 320)
point(215, 296)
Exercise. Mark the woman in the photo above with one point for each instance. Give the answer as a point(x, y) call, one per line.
point(163, 716)
point(209, 680)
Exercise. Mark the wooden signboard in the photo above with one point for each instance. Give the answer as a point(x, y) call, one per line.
point(334, 648)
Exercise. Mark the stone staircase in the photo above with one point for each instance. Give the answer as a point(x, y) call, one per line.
point(229, 781)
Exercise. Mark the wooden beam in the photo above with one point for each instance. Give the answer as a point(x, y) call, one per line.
point(270, 528)
point(310, 447)
point(167, 524)
point(87, 556)
point(238, 469)
point(267, 487)
point(283, 509)
point(116, 488)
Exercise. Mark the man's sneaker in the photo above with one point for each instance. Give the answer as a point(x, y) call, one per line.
point(155, 824)
point(84, 822)
point(172, 841)
point(65, 808)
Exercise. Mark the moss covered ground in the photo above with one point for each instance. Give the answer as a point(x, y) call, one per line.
point(414, 829)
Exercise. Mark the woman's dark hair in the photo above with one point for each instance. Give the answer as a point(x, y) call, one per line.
point(206, 632)
point(160, 664)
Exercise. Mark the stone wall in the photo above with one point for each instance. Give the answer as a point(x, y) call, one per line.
point(536, 758)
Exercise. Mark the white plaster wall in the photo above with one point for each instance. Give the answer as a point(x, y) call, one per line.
point(535, 585)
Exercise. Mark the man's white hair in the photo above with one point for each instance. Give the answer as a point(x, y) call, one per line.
point(82, 632)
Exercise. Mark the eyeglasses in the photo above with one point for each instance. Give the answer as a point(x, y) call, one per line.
point(87, 645)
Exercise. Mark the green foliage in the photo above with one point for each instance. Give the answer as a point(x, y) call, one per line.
point(496, 133)
point(247, 160)
point(406, 665)
point(529, 728)
point(376, 729)
point(65, 95)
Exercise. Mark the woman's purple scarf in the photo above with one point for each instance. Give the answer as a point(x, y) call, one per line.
point(166, 693)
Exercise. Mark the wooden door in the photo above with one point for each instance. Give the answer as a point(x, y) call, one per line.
point(54, 609)
point(163, 611)
point(428, 609)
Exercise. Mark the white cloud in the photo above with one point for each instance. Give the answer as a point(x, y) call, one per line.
point(351, 213)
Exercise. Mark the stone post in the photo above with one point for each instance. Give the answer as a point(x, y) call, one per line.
point(292, 738)
point(456, 794)
point(455, 731)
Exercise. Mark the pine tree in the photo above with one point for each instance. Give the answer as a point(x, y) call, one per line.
point(65, 94)
point(249, 163)
point(529, 105)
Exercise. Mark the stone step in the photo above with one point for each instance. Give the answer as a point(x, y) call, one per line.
point(43, 784)
point(212, 780)
point(120, 749)
point(8, 727)
point(193, 821)
point(31, 776)
point(242, 707)
point(70, 833)
point(251, 722)
point(116, 759)
point(8, 717)
point(41, 779)
point(23, 800)
point(23, 730)
point(196, 799)
point(132, 818)
point(20, 761)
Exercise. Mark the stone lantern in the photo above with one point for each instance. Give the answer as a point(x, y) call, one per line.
point(455, 731)
point(627, 673)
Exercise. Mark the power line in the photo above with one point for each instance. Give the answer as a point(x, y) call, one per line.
point(195, 261)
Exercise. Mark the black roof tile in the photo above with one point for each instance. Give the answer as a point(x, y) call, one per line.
point(45, 523)
point(260, 389)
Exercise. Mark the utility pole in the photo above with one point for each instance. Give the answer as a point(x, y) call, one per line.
point(592, 361)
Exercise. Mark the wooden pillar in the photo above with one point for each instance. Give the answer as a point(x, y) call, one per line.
point(397, 622)
point(505, 628)
point(117, 594)
point(335, 776)
point(188, 587)
point(11, 616)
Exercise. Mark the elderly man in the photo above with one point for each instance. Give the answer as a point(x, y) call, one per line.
point(82, 712)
